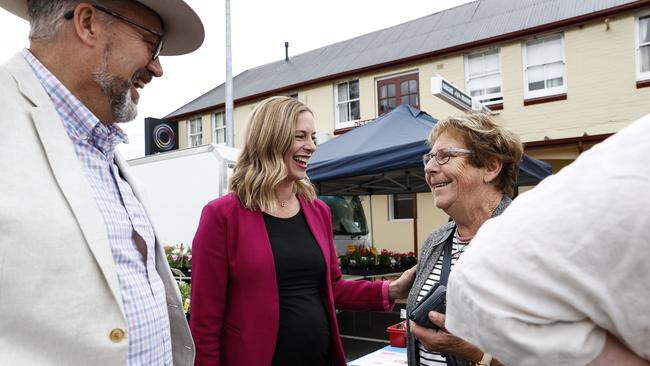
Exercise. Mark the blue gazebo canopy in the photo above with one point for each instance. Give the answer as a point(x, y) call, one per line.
point(385, 157)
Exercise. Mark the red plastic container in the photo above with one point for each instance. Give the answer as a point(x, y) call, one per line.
point(397, 333)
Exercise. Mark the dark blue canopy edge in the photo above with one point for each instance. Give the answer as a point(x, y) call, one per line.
point(385, 157)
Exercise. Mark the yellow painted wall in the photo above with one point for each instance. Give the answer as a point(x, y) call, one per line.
point(601, 98)
point(397, 235)
point(182, 134)
point(601, 85)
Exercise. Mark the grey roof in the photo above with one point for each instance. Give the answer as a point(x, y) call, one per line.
point(449, 29)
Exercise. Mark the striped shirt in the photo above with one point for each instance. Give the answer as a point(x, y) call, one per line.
point(459, 244)
point(142, 290)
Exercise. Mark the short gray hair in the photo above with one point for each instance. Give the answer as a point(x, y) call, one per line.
point(46, 16)
point(486, 138)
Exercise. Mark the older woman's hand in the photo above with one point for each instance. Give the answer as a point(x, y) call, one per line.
point(399, 289)
point(443, 341)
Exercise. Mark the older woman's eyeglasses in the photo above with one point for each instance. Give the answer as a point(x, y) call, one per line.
point(157, 46)
point(443, 156)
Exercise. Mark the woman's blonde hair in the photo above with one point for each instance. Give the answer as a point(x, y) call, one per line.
point(486, 139)
point(269, 136)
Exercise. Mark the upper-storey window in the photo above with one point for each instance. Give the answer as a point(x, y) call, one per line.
point(398, 90)
point(194, 132)
point(347, 103)
point(219, 128)
point(544, 67)
point(643, 47)
point(483, 76)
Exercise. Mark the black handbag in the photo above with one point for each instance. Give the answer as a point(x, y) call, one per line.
point(434, 300)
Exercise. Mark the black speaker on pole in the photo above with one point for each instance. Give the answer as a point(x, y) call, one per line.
point(160, 135)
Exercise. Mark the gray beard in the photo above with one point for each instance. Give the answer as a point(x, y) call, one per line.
point(118, 91)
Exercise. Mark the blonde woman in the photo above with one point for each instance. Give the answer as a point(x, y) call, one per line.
point(266, 281)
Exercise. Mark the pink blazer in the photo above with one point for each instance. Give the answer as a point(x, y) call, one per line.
point(234, 304)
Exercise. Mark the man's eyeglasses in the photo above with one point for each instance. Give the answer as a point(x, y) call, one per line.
point(442, 156)
point(157, 46)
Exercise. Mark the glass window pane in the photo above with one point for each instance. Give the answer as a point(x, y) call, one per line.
point(195, 140)
point(475, 64)
point(492, 62)
point(354, 90)
point(538, 85)
point(354, 111)
point(383, 106)
point(343, 112)
point(553, 50)
point(404, 87)
point(221, 136)
point(534, 53)
point(219, 120)
point(391, 90)
point(413, 86)
point(535, 74)
point(382, 91)
point(553, 83)
point(477, 84)
point(342, 92)
point(554, 70)
point(402, 206)
point(493, 90)
point(392, 102)
point(645, 58)
point(492, 81)
point(644, 29)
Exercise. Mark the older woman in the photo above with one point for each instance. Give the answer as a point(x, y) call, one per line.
point(471, 170)
point(266, 281)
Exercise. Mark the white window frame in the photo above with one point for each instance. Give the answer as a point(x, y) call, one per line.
point(640, 76)
point(546, 91)
point(497, 97)
point(221, 127)
point(350, 123)
point(391, 209)
point(199, 133)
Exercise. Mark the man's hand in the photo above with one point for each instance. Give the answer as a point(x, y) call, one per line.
point(399, 289)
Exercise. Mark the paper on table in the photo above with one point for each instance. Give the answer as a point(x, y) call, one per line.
point(387, 356)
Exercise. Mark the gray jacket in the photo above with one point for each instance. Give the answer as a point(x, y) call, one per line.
point(428, 257)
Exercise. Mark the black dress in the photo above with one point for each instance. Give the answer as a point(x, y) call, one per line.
point(304, 329)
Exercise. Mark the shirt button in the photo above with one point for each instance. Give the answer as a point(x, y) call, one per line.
point(117, 335)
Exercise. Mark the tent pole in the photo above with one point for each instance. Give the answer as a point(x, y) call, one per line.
point(371, 231)
point(415, 224)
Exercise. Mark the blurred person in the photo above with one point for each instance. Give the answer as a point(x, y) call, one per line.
point(472, 170)
point(83, 280)
point(266, 281)
point(571, 283)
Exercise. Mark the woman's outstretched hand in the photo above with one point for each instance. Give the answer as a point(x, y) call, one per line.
point(399, 289)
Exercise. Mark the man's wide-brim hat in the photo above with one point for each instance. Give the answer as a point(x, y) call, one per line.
point(184, 31)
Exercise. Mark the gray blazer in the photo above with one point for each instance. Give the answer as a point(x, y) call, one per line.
point(428, 257)
point(60, 302)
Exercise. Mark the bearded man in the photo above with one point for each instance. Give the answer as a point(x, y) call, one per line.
point(83, 280)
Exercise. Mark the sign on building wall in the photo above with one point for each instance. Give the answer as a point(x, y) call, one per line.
point(446, 91)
